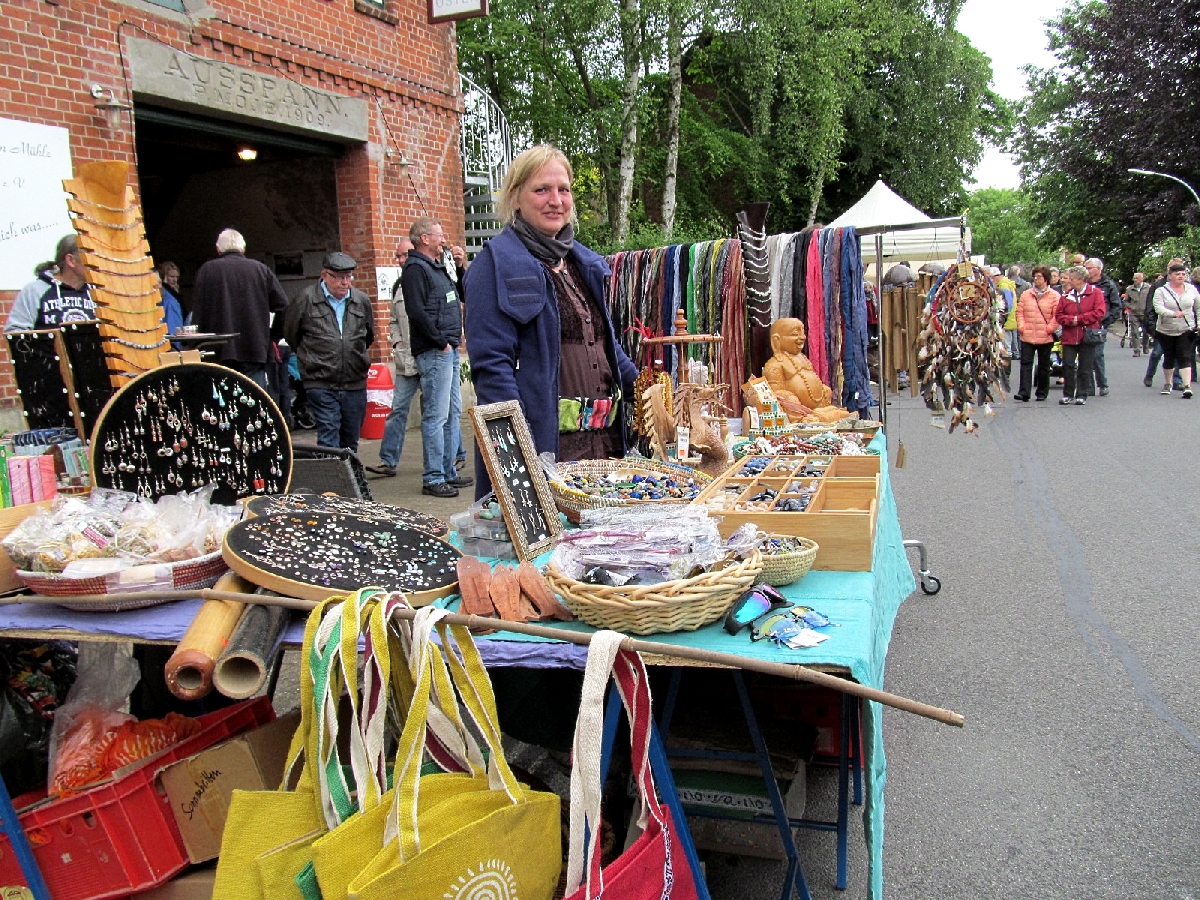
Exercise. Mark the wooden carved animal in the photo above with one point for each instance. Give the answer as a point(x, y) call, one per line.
point(698, 407)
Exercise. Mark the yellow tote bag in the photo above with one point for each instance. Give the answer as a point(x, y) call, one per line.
point(461, 842)
point(341, 854)
point(267, 833)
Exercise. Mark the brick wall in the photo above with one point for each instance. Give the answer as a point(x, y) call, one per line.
point(52, 51)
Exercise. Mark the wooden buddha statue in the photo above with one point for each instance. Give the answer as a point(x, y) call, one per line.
point(800, 391)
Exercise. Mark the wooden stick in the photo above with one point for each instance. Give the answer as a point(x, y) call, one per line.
point(791, 671)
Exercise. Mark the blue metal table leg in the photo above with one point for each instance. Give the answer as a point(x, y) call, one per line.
point(20, 845)
point(663, 780)
point(856, 764)
point(795, 874)
point(849, 705)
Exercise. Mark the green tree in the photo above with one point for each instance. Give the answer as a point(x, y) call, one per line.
point(1003, 229)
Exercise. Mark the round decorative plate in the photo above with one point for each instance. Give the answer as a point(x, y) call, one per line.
point(314, 555)
point(178, 428)
point(364, 509)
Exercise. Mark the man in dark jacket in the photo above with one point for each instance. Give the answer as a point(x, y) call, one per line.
point(236, 295)
point(434, 306)
point(1112, 300)
point(330, 327)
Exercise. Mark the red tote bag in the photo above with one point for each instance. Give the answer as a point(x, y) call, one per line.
point(655, 866)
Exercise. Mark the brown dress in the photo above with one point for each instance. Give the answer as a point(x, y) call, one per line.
point(583, 368)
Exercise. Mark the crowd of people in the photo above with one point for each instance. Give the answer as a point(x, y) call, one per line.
point(1072, 311)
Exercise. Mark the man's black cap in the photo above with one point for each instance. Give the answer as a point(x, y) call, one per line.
point(337, 261)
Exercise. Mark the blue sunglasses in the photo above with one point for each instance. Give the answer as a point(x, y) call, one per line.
point(753, 604)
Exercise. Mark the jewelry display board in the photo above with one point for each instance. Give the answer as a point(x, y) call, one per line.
point(364, 509)
point(517, 477)
point(90, 386)
point(38, 370)
point(178, 428)
point(314, 555)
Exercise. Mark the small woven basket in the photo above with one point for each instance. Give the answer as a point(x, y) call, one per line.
point(681, 605)
point(781, 569)
point(186, 575)
point(572, 502)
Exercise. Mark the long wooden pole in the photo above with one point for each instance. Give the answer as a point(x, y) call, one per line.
point(791, 671)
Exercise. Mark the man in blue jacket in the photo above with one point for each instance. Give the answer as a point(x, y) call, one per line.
point(434, 306)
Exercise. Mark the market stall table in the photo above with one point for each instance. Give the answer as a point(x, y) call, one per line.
point(863, 604)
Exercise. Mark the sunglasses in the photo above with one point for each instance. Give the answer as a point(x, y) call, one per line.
point(753, 604)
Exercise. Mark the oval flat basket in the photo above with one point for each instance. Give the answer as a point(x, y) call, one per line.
point(780, 569)
point(573, 502)
point(681, 605)
point(186, 575)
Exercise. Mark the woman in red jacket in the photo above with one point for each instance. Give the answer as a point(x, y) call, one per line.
point(1082, 306)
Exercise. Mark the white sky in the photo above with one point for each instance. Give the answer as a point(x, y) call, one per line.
point(1012, 33)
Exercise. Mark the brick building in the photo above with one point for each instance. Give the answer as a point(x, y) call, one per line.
point(350, 106)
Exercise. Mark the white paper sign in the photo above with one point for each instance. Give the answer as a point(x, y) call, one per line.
point(34, 160)
point(385, 280)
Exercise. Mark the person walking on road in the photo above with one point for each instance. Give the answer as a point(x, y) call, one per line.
point(1037, 326)
point(408, 380)
point(1082, 306)
point(1156, 349)
point(1112, 299)
point(1137, 298)
point(1176, 305)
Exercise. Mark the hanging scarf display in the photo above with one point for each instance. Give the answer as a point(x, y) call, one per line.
point(816, 309)
point(856, 376)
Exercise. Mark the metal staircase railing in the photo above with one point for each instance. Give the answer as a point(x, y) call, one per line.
point(486, 155)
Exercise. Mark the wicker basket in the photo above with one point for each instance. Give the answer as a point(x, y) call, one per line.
point(780, 569)
point(681, 605)
point(186, 575)
point(573, 502)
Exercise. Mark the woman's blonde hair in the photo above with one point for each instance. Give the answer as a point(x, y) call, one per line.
point(524, 167)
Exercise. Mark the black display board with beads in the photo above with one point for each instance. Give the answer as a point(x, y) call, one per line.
point(178, 428)
point(314, 555)
point(89, 371)
point(364, 509)
point(39, 376)
point(517, 477)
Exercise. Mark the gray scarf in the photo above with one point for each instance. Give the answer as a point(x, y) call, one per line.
point(550, 250)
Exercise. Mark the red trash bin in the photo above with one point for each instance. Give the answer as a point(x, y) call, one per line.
point(379, 402)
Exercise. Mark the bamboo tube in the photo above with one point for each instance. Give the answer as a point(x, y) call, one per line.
point(790, 671)
point(242, 668)
point(189, 671)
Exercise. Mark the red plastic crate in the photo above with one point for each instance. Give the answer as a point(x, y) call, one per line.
point(119, 837)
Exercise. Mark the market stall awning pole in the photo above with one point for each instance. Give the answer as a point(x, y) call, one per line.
point(711, 657)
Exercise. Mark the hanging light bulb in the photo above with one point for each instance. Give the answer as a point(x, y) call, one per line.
point(247, 154)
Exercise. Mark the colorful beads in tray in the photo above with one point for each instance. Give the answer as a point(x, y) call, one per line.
point(624, 486)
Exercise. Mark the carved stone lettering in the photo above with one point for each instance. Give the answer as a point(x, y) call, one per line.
point(170, 77)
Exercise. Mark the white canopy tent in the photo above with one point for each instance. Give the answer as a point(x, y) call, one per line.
point(902, 231)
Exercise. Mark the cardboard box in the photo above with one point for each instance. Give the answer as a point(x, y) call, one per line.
point(200, 787)
point(194, 884)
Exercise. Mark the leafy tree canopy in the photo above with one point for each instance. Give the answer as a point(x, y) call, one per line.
point(1124, 96)
point(1003, 229)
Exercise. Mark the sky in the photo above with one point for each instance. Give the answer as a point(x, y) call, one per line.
point(1012, 34)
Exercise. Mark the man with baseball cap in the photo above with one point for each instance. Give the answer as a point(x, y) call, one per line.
point(330, 327)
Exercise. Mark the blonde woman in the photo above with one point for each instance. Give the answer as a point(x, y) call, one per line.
point(535, 295)
point(1176, 305)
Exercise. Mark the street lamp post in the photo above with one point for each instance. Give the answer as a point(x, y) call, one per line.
point(1172, 177)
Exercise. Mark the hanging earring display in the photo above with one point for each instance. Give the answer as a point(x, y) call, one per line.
point(158, 435)
point(364, 509)
point(314, 555)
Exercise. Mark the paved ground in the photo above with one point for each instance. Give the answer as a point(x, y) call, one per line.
point(1065, 633)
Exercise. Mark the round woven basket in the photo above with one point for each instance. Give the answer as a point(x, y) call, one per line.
point(572, 502)
point(187, 575)
point(780, 569)
point(681, 605)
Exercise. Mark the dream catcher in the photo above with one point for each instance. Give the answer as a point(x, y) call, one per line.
point(962, 355)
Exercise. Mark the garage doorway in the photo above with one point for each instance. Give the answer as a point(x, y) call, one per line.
point(280, 193)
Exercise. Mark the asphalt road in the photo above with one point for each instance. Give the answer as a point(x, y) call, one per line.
point(1066, 633)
